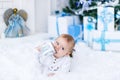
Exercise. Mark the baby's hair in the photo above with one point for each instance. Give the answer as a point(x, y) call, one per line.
point(69, 39)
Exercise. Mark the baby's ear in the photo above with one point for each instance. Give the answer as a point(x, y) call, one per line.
point(68, 53)
point(37, 48)
point(73, 50)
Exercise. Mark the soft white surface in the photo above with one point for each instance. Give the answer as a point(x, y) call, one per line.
point(18, 61)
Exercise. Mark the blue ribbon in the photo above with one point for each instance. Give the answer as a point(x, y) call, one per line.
point(104, 41)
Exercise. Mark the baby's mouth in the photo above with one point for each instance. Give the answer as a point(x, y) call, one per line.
point(55, 51)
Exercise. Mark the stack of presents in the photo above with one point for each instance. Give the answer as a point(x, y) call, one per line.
point(63, 23)
point(104, 37)
point(101, 36)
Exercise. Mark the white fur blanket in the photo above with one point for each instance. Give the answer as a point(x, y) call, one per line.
point(18, 61)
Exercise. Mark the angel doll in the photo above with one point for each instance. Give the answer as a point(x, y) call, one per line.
point(15, 21)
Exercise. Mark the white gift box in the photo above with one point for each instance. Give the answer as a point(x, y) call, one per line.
point(59, 24)
point(105, 18)
point(88, 27)
point(106, 41)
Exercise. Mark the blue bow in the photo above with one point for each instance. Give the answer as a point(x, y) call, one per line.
point(104, 41)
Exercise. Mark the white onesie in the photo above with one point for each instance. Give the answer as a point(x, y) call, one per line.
point(49, 63)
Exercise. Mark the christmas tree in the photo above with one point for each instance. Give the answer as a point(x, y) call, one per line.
point(85, 7)
point(89, 8)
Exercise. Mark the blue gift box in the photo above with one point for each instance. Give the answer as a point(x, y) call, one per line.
point(59, 24)
point(76, 32)
point(89, 25)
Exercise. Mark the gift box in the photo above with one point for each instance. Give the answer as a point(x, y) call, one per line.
point(105, 18)
point(89, 25)
point(63, 24)
point(106, 40)
point(76, 31)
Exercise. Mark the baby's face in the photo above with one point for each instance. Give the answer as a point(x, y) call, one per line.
point(62, 47)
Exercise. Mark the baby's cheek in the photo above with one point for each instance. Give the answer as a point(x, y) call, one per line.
point(59, 51)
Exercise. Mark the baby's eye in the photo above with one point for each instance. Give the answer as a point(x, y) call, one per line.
point(63, 48)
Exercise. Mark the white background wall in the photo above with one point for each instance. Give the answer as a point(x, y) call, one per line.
point(42, 10)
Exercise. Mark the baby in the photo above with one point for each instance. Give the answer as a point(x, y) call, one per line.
point(56, 57)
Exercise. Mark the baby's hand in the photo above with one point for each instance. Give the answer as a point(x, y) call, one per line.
point(37, 49)
point(51, 74)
